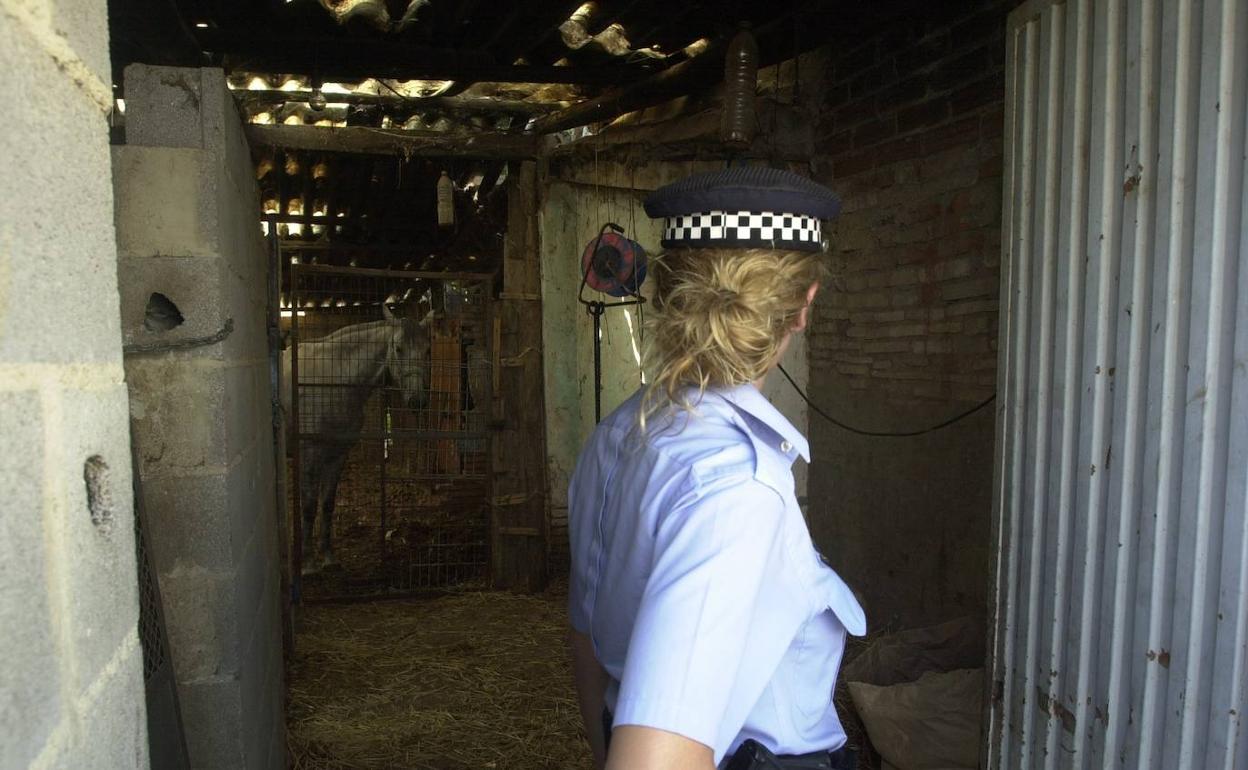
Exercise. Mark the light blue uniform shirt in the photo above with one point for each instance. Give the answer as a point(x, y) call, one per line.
point(694, 574)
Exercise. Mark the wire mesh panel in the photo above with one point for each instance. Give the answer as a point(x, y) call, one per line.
point(389, 378)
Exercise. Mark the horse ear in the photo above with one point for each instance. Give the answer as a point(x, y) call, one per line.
point(386, 313)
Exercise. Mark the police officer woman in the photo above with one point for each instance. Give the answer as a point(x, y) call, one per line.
point(706, 629)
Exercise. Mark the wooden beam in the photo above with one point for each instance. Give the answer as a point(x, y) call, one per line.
point(670, 83)
point(451, 104)
point(341, 59)
point(377, 141)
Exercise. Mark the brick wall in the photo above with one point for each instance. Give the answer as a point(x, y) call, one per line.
point(186, 203)
point(71, 668)
point(911, 137)
point(913, 141)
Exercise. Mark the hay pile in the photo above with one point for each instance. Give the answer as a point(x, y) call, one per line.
point(470, 680)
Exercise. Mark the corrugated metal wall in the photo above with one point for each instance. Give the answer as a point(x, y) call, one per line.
point(1122, 570)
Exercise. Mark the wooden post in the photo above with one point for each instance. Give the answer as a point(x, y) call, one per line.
point(519, 527)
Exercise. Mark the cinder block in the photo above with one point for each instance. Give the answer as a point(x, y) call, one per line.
point(163, 205)
point(114, 723)
point(212, 717)
point(250, 501)
point(202, 621)
point(84, 25)
point(57, 255)
point(248, 406)
point(177, 409)
point(99, 567)
point(163, 106)
point(192, 284)
point(186, 522)
point(29, 670)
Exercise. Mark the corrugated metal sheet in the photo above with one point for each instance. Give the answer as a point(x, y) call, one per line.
point(1122, 570)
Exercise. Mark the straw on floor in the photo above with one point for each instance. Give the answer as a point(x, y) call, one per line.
point(476, 680)
point(470, 680)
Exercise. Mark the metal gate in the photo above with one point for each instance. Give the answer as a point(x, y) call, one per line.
point(1122, 489)
point(390, 377)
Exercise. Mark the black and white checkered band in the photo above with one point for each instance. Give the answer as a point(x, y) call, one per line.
point(743, 228)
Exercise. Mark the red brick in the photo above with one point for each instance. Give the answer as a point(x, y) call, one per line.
point(854, 113)
point(992, 121)
point(983, 92)
point(904, 92)
point(905, 148)
point(902, 33)
point(837, 143)
point(991, 168)
point(955, 134)
point(958, 70)
point(854, 62)
point(853, 164)
point(871, 80)
point(974, 306)
point(969, 288)
point(928, 113)
point(982, 26)
point(836, 95)
point(922, 54)
point(886, 346)
point(875, 132)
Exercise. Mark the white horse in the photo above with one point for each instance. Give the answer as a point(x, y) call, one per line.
point(337, 374)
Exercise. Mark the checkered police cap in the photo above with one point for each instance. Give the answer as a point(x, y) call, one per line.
point(742, 207)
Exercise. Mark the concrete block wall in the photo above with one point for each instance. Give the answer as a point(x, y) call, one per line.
point(188, 228)
point(71, 676)
point(911, 137)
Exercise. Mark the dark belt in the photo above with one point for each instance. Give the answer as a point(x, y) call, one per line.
point(752, 755)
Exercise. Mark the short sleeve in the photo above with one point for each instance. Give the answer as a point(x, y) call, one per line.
point(718, 613)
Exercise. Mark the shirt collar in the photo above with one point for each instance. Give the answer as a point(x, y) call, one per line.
point(752, 404)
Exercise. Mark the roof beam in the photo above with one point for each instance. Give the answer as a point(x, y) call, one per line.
point(339, 59)
point(407, 144)
point(449, 104)
point(670, 83)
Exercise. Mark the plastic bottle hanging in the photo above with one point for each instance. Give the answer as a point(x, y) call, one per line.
point(737, 121)
point(446, 201)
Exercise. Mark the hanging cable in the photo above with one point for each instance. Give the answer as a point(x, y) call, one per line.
point(887, 434)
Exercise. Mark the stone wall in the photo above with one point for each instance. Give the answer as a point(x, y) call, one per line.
point(911, 137)
point(71, 676)
point(188, 231)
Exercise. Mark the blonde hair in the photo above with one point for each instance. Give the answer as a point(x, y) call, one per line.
point(720, 317)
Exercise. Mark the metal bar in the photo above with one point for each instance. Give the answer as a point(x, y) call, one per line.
point(296, 545)
point(380, 273)
point(412, 434)
point(392, 141)
point(383, 405)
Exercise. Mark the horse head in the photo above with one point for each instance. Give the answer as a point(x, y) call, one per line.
point(407, 356)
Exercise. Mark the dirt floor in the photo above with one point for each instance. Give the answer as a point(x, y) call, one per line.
point(469, 680)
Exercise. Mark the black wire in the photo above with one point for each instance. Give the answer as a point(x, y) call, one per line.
point(887, 434)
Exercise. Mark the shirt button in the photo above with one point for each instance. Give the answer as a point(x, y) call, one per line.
point(786, 447)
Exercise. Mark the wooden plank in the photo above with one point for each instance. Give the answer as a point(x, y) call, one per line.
point(455, 105)
point(519, 449)
point(389, 141)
